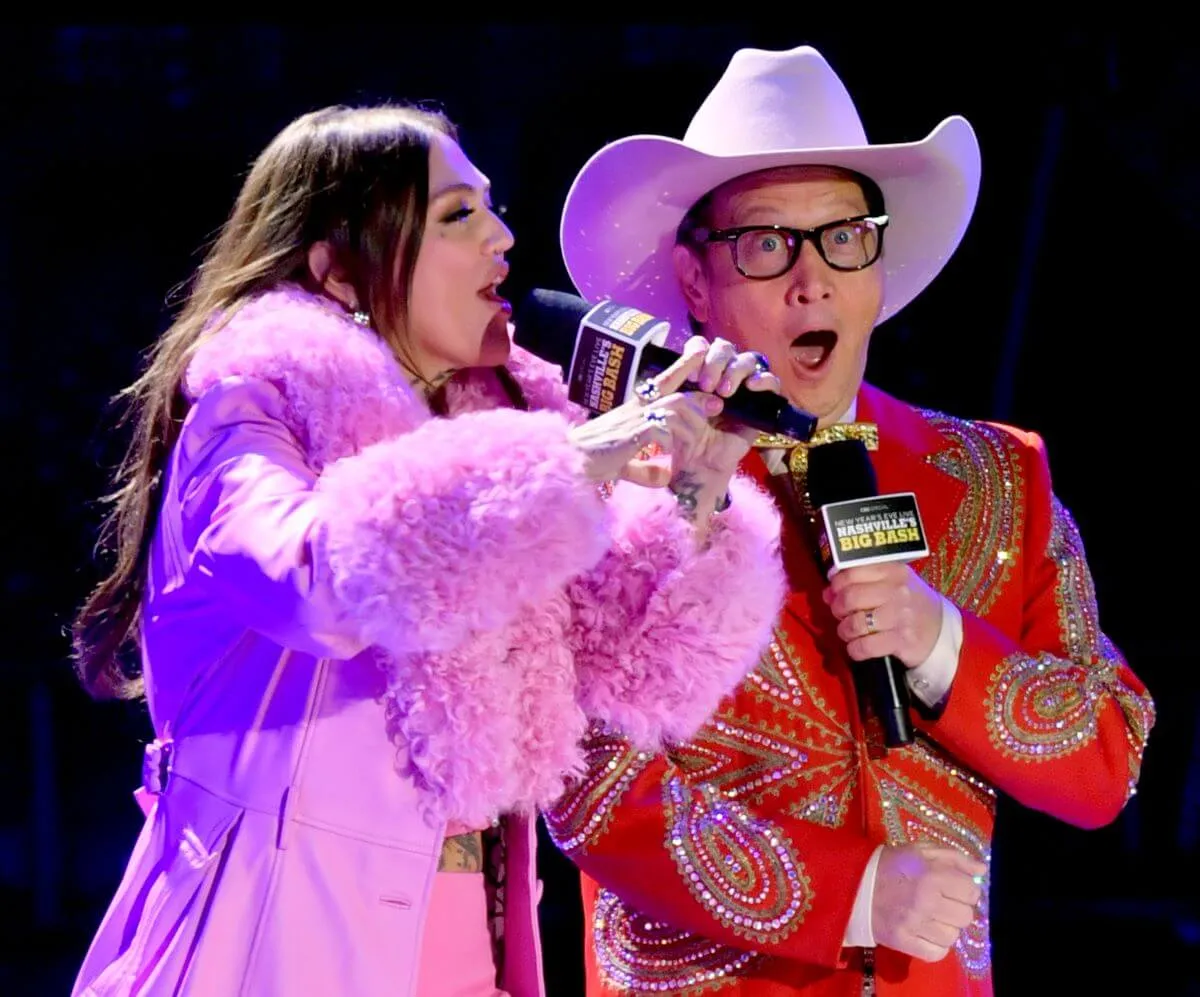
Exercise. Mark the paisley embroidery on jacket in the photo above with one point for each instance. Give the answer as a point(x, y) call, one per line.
point(1079, 623)
point(583, 812)
point(974, 559)
point(739, 867)
point(1044, 706)
point(635, 952)
point(1139, 711)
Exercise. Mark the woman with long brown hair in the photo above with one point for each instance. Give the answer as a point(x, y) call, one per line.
point(376, 576)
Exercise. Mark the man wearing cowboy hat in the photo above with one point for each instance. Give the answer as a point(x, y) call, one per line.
point(782, 851)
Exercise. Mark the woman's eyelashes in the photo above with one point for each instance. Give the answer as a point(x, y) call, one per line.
point(459, 214)
point(465, 209)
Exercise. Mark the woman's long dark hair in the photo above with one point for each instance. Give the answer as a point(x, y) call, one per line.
point(357, 177)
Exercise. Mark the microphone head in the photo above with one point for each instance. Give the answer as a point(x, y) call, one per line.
point(797, 423)
point(840, 471)
point(547, 324)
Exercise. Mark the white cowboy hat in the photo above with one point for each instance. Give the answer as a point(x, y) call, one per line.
point(768, 109)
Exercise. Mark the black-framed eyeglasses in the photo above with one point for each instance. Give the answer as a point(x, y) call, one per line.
point(762, 252)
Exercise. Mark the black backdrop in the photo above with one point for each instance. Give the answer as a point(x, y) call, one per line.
point(1067, 310)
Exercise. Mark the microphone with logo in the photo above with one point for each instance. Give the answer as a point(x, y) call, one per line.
point(863, 527)
point(606, 349)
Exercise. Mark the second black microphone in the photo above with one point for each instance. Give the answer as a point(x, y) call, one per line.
point(839, 472)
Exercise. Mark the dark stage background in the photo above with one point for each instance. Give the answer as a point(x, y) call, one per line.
point(1069, 310)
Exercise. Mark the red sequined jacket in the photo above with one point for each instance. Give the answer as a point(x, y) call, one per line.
point(731, 863)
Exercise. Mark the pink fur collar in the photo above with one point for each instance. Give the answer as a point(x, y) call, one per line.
point(355, 392)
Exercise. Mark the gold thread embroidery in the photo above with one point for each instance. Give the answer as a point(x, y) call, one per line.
point(740, 758)
point(952, 773)
point(975, 558)
point(776, 677)
point(1040, 706)
point(825, 784)
point(828, 803)
point(1074, 593)
point(740, 868)
point(1044, 706)
point(1079, 625)
point(583, 813)
point(635, 952)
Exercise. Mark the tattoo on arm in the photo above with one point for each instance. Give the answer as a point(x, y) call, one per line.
point(462, 853)
point(685, 487)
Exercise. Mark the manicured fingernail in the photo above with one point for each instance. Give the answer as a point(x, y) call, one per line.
point(725, 387)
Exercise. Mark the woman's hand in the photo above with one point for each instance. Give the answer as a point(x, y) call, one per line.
point(705, 448)
point(611, 442)
point(705, 458)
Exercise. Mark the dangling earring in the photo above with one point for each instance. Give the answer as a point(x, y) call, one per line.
point(361, 318)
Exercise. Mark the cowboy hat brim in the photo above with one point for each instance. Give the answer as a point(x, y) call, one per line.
point(624, 208)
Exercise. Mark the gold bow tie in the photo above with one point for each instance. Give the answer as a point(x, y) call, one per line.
point(868, 432)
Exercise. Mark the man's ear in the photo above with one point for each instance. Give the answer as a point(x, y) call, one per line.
point(331, 277)
point(689, 273)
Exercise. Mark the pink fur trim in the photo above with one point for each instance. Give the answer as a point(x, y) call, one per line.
point(343, 387)
point(494, 725)
point(664, 632)
point(453, 528)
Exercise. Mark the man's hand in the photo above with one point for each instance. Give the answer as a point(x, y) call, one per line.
point(924, 898)
point(885, 609)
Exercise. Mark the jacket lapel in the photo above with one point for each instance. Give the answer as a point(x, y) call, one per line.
point(906, 461)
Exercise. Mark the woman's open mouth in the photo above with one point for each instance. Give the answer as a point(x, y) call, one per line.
point(491, 293)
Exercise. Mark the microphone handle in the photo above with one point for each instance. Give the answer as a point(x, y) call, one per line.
point(763, 410)
point(882, 684)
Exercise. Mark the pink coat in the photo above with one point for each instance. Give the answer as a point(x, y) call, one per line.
point(362, 622)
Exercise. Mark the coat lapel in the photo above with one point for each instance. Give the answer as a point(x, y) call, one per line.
point(906, 461)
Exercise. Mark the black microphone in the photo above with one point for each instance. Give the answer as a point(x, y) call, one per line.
point(606, 349)
point(886, 528)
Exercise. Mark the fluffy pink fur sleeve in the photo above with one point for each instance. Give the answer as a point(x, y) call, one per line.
point(415, 543)
point(663, 631)
point(450, 529)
